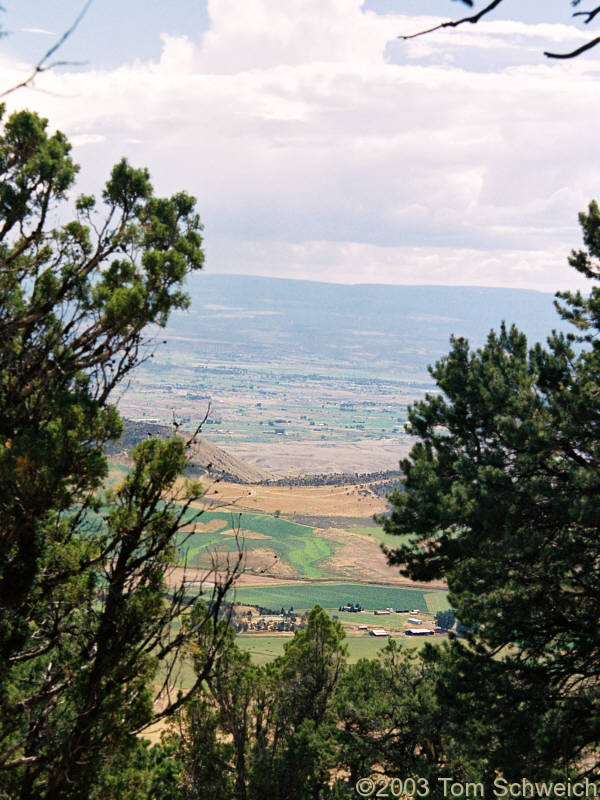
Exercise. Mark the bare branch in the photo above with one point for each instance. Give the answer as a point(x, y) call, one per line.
point(575, 53)
point(589, 14)
point(43, 65)
point(198, 429)
point(453, 23)
point(474, 18)
point(18, 762)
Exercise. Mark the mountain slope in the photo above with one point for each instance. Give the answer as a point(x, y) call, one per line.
point(204, 456)
point(242, 317)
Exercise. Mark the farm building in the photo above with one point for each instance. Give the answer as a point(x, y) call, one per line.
point(378, 632)
point(414, 621)
point(418, 632)
point(383, 611)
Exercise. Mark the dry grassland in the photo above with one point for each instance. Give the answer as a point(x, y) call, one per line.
point(359, 557)
point(340, 501)
point(300, 457)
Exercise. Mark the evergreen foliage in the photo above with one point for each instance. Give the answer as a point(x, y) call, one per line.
point(307, 726)
point(502, 494)
point(445, 619)
point(84, 625)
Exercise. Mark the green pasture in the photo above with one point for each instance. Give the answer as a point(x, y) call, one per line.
point(378, 533)
point(262, 648)
point(331, 595)
point(368, 646)
point(437, 601)
point(265, 648)
point(290, 541)
point(387, 621)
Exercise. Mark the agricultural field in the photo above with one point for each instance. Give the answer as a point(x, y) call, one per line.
point(265, 648)
point(319, 376)
point(437, 601)
point(388, 621)
point(352, 500)
point(378, 534)
point(303, 596)
point(280, 547)
point(278, 542)
point(307, 545)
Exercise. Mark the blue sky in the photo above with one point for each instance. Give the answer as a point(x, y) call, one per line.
point(114, 32)
point(322, 147)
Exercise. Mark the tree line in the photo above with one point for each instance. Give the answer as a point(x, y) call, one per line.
point(335, 478)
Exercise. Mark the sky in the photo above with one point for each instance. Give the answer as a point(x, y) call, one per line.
point(319, 145)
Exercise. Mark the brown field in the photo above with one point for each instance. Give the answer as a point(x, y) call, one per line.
point(263, 558)
point(207, 527)
point(391, 577)
point(308, 457)
point(351, 500)
point(359, 557)
point(196, 574)
point(244, 534)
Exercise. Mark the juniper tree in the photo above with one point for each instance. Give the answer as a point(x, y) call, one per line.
point(84, 625)
point(259, 731)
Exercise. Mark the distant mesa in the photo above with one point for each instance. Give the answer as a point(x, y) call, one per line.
point(202, 454)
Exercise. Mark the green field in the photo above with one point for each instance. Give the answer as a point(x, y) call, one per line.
point(437, 601)
point(266, 648)
point(262, 648)
point(387, 621)
point(385, 538)
point(331, 596)
point(290, 541)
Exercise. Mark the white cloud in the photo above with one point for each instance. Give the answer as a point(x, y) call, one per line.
point(270, 33)
point(357, 262)
point(42, 31)
point(317, 143)
point(82, 139)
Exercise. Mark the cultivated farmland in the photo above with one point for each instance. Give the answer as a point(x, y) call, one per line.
point(331, 595)
point(280, 540)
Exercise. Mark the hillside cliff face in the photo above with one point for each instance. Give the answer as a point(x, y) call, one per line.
point(205, 458)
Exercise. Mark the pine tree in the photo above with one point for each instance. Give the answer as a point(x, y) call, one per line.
point(502, 494)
